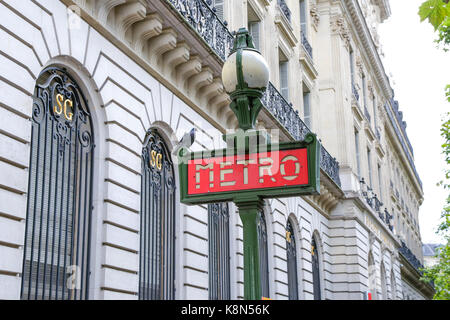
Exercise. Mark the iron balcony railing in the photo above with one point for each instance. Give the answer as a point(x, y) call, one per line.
point(201, 17)
point(355, 92)
point(372, 200)
point(366, 113)
point(306, 44)
point(285, 9)
point(412, 259)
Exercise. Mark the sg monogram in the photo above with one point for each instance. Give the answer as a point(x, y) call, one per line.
point(156, 160)
point(63, 105)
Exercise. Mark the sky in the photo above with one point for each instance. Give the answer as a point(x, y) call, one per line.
point(420, 72)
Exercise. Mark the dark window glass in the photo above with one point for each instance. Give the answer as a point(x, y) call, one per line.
point(291, 262)
point(263, 256)
point(315, 270)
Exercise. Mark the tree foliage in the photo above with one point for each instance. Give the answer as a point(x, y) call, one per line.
point(437, 12)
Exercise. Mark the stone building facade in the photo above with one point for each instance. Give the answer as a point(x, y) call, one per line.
point(95, 96)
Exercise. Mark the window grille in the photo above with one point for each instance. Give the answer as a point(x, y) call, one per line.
point(59, 208)
point(219, 251)
point(157, 236)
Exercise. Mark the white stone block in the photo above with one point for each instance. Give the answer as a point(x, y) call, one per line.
point(13, 204)
point(12, 232)
point(120, 237)
point(120, 259)
point(10, 287)
point(11, 259)
point(120, 280)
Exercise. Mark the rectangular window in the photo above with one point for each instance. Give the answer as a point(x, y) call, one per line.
point(369, 166)
point(284, 83)
point(253, 29)
point(358, 164)
point(380, 182)
point(374, 112)
point(303, 18)
point(307, 107)
point(364, 90)
point(352, 69)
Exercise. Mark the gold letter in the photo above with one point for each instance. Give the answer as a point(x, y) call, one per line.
point(199, 167)
point(69, 115)
point(59, 101)
point(153, 158)
point(159, 161)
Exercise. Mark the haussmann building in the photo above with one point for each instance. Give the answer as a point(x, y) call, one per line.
point(95, 95)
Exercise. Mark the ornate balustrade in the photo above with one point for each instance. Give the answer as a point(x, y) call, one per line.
point(372, 200)
point(412, 259)
point(355, 92)
point(306, 44)
point(285, 9)
point(201, 17)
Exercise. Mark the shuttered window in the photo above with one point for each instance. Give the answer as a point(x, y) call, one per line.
point(219, 251)
point(57, 236)
point(291, 251)
point(157, 236)
point(263, 256)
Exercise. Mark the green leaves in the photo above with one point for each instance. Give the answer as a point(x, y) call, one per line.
point(436, 11)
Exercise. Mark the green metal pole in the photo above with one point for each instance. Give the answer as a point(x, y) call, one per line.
point(249, 211)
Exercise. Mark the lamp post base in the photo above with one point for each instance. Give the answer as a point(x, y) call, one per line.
point(249, 211)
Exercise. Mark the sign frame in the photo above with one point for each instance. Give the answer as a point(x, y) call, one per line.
point(312, 188)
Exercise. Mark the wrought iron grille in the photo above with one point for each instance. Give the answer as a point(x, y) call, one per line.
point(263, 256)
point(219, 251)
point(157, 237)
point(56, 250)
point(315, 269)
point(291, 262)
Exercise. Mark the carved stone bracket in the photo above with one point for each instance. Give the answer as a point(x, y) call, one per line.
point(339, 26)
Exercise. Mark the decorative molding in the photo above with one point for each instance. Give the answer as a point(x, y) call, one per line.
point(315, 15)
point(338, 26)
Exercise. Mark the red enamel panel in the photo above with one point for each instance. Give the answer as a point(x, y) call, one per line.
point(248, 172)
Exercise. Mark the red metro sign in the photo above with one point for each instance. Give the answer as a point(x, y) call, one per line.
point(281, 170)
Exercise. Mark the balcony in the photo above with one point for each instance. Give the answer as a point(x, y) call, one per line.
point(285, 9)
point(355, 92)
point(372, 200)
point(201, 18)
point(410, 257)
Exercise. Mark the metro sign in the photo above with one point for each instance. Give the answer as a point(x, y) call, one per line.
point(271, 171)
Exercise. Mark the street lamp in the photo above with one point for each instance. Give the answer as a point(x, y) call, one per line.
point(245, 77)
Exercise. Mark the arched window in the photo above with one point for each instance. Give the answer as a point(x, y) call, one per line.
point(56, 250)
point(263, 256)
point(372, 276)
point(383, 282)
point(315, 270)
point(291, 249)
point(157, 244)
point(219, 251)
